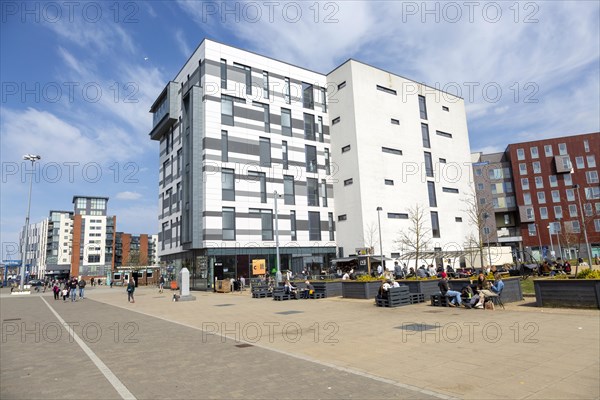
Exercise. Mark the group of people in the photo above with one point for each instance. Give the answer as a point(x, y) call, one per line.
point(555, 268)
point(299, 293)
point(69, 289)
point(485, 290)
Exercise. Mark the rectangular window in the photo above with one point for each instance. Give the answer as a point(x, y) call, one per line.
point(553, 180)
point(539, 182)
point(567, 178)
point(228, 182)
point(397, 216)
point(597, 225)
point(588, 210)
point(531, 229)
point(289, 197)
point(444, 108)
point(261, 178)
point(224, 147)
point(579, 162)
point(324, 100)
point(395, 121)
point(324, 192)
point(346, 148)
point(435, 225)
point(228, 223)
point(309, 126)
point(586, 146)
point(335, 120)
point(389, 182)
point(428, 165)
point(555, 196)
point(548, 150)
point(307, 96)
point(314, 225)
point(525, 183)
point(265, 152)
point(541, 196)
point(444, 134)
point(527, 198)
point(248, 73)
point(422, 107)
point(442, 161)
point(286, 122)
point(342, 217)
point(386, 90)
point(529, 214)
point(536, 167)
point(480, 186)
point(534, 152)
point(266, 219)
point(425, 136)
point(311, 158)
point(570, 195)
point(312, 192)
point(520, 154)
point(223, 73)
point(265, 84)
point(391, 151)
point(293, 225)
point(543, 213)
point(320, 129)
point(266, 114)
point(284, 154)
point(327, 162)
point(558, 212)
point(572, 210)
point(591, 161)
point(431, 192)
point(457, 219)
point(227, 110)
point(523, 169)
point(348, 182)
point(562, 149)
point(449, 190)
point(331, 226)
point(287, 90)
point(591, 176)
point(341, 85)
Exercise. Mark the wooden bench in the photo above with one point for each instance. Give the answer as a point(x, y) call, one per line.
point(319, 292)
point(396, 297)
point(416, 298)
point(261, 292)
point(280, 294)
point(439, 300)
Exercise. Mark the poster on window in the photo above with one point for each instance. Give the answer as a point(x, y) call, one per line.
point(258, 267)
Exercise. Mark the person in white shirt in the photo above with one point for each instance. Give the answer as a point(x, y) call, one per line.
point(432, 271)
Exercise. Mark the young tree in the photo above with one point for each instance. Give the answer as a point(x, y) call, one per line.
point(371, 237)
point(479, 211)
point(417, 237)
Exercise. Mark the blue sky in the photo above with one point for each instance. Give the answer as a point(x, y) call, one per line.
point(78, 79)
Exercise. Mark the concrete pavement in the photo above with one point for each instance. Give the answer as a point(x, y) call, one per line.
point(230, 345)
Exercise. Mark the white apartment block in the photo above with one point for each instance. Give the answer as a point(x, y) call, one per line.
point(35, 259)
point(59, 246)
point(395, 144)
point(235, 127)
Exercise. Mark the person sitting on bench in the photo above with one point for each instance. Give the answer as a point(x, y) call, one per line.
point(443, 285)
point(310, 289)
point(291, 289)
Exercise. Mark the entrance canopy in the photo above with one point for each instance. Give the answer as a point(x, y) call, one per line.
point(438, 254)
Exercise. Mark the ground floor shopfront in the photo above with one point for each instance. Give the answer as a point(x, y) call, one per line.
point(206, 265)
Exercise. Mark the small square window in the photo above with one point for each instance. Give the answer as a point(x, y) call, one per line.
point(444, 108)
point(345, 148)
point(395, 122)
point(389, 182)
point(348, 182)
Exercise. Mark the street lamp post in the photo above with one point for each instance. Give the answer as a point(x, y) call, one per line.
point(278, 274)
point(585, 236)
point(550, 234)
point(380, 243)
point(33, 158)
point(487, 236)
point(537, 229)
point(558, 238)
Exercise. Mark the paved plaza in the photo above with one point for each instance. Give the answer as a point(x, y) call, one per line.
point(227, 346)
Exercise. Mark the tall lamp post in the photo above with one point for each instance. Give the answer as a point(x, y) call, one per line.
point(537, 229)
point(379, 209)
point(33, 158)
point(585, 236)
point(487, 236)
point(558, 237)
point(550, 234)
point(278, 274)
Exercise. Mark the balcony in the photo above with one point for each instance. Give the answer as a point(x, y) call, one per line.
point(165, 111)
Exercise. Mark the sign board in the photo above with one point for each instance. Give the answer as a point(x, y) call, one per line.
point(258, 267)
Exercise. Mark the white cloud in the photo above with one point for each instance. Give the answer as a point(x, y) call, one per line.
point(128, 195)
point(182, 44)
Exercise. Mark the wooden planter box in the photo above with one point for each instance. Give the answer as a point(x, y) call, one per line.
point(511, 292)
point(360, 290)
point(331, 289)
point(427, 287)
point(576, 293)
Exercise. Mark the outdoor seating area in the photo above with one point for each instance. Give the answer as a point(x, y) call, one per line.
point(399, 296)
point(261, 291)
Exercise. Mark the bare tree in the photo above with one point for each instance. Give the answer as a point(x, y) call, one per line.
point(568, 237)
point(478, 210)
point(417, 237)
point(471, 242)
point(371, 238)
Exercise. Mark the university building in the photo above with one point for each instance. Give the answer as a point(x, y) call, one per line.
point(251, 146)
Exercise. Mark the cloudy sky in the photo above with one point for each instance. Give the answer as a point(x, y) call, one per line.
point(78, 79)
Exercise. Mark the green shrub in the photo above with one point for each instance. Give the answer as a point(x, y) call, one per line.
point(589, 274)
point(368, 278)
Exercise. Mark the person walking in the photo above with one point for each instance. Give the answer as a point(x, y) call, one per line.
point(130, 290)
point(161, 284)
point(81, 285)
point(56, 290)
point(73, 287)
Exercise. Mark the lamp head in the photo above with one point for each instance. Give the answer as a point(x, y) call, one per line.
point(32, 157)
point(379, 209)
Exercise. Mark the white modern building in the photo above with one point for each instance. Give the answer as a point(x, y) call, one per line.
point(235, 127)
point(59, 246)
point(35, 258)
point(397, 144)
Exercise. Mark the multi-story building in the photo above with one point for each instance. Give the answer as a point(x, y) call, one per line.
point(397, 144)
point(558, 194)
point(35, 259)
point(236, 127)
point(59, 244)
point(495, 200)
point(242, 135)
